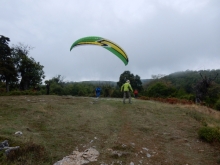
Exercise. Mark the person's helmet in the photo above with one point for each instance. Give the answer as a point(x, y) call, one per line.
point(128, 81)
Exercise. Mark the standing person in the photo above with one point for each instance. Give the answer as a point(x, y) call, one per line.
point(48, 88)
point(126, 88)
point(98, 92)
point(135, 93)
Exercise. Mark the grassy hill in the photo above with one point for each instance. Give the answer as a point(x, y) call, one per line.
point(145, 132)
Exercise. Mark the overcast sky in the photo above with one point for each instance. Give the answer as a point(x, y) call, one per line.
point(159, 36)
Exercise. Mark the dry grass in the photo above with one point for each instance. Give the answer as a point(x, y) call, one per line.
point(142, 132)
point(205, 110)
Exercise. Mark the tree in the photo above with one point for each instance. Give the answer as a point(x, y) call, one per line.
point(7, 70)
point(135, 81)
point(58, 80)
point(55, 85)
point(160, 89)
point(201, 88)
point(212, 95)
point(30, 72)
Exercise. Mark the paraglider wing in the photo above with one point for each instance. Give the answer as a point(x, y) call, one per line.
point(112, 47)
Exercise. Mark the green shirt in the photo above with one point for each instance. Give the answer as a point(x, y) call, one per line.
point(126, 87)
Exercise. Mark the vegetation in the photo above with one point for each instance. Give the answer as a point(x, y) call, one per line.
point(17, 69)
point(145, 131)
point(30, 72)
point(7, 69)
point(217, 105)
point(182, 85)
point(135, 81)
point(209, 134)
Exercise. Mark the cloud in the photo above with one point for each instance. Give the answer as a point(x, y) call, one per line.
point(185, 6)
point(159, 36)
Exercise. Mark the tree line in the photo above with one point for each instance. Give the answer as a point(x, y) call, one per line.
point(58, 86)
point(17, 69)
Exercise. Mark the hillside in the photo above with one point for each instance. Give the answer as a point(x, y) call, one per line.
point(145, 132)
point(111, 83)
point(184, 78)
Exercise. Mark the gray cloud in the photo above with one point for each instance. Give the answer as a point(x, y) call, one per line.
point(159, 36)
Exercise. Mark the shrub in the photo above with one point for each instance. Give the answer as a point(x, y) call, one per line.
point(26, 92)
point(160, 90)
point(217, 105)
point(117, 93)
point(209, 134)
point(29, 153)
point(190, 97)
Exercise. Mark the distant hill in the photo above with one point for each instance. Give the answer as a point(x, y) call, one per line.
point(178, 79)
point(188, 79)
point(112, 83)
point(146, 81)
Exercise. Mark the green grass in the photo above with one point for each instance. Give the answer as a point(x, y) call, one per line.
point(54, 126)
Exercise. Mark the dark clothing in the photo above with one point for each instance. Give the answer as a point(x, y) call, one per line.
point(48, 89)
point(127, 93)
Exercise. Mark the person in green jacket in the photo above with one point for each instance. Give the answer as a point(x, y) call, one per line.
point(126, 88)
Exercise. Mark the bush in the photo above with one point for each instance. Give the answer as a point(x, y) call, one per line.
point(161, 90)
point(28, 153)
point(209, 134)
point(217, 105)
point(117, 93)
point(190, 97)
point(15, 93)
point(26, 92)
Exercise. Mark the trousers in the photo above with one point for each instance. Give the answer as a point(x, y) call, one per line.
point(127, 93)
